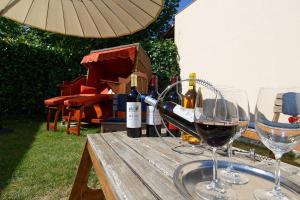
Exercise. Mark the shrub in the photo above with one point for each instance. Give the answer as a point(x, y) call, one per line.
point(30, 74)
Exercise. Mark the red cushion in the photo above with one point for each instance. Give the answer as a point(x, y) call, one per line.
point(57, 100)
point(87, 90)
point(87, 100)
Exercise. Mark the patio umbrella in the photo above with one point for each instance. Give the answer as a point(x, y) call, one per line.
point(84, 18)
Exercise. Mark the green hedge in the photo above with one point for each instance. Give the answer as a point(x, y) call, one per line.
point(28, 75)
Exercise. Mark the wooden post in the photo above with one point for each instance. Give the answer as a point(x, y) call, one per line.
point(69, 121)
point(80, 190)
point(48, 118)
point(56, 117)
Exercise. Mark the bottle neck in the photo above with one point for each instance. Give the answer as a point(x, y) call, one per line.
point(177, 88)
point(149, 100)
point(174, 80)
point(154, 85)
point(192, 87)
point(133, 81)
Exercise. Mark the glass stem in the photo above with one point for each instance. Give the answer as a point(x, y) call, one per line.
point(229, 151)
point(215, 165)
point(276, 188)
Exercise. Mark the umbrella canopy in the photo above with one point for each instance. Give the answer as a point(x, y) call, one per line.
point(84, 18)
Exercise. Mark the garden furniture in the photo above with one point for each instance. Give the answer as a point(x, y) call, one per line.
point(142, 168)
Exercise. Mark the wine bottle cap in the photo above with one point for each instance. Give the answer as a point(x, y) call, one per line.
point(133, 79)
point(150, 101)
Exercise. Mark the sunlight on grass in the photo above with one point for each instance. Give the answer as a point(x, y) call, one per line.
point(37, 164)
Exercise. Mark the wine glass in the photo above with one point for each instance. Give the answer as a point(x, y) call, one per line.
point(216, 120)
point(229, 174)
point(274, 108)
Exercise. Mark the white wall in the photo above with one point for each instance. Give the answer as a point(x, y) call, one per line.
point(244, 43)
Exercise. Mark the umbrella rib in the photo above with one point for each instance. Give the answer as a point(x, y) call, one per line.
point(121, 7)
point(91, 18)
point(47, 15)
point(78, 20)
point(156, 3)
point(104, 18)
point(141, 8)
point(8, 6)
point(63, 15)
point(117, 17)
point(28, 11)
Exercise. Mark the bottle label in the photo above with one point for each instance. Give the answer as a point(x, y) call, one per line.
point(172, 127)
point(133, 115)
point(185, 113)
point(153, 118)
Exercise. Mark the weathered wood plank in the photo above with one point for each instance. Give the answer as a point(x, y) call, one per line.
point(152, 163)
point(159, 183)
point(166, 150)
point(204, 156)
point(165, 163)
point(120, 177)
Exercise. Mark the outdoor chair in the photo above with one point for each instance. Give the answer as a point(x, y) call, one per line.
point(109, 73)
point(68, 90)
point(284, 104)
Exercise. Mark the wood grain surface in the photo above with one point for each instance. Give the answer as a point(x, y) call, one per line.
point(142, 168)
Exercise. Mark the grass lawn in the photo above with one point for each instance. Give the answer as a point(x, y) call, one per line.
point(37, 164)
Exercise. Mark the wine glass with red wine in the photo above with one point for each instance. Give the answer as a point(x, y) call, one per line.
point(216, 121)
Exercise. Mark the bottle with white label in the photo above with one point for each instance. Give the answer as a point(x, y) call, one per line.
point(153, 118)
point(133, 110)
point(182, 118)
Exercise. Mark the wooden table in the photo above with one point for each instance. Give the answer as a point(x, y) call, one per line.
point(138, 168)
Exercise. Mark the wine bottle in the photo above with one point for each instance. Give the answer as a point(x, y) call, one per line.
point(133, 110)
point(153, 118)
point(189, 100)
point(175, 97)
point(176, 115)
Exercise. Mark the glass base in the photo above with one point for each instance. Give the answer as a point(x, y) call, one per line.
point(273, 195)
point(214, 190)
point(234, 177)
point(188, 149)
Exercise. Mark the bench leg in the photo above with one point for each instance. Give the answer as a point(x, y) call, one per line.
point(56, 117)
point(53, 125)
point(79, 120)
point(80, 189)
point(76, 116)
point(48, 118)
point(69, 122)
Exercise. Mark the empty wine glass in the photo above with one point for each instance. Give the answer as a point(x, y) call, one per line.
point(274, 108)
point(229, 174)
point(216, 120)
